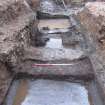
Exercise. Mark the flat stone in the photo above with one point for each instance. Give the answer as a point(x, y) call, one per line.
point(48, 54)
point(81, 69)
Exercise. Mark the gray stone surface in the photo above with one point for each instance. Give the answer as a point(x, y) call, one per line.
point(48, 54)
point(60, 93)
point(49, 92)
point(81, 69)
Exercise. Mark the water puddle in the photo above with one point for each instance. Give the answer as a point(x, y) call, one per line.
point(47, 92)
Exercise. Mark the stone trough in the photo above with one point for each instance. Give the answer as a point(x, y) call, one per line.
point(55, 84)
point(53, 92)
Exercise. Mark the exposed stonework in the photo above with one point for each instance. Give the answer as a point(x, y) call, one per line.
point(81, 69)
point(92, 19)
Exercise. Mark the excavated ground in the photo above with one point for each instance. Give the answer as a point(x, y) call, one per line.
point(47, 55)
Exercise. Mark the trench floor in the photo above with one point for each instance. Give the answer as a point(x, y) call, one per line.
point(57, 36)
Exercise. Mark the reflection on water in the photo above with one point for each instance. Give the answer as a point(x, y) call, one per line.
point(49, 92)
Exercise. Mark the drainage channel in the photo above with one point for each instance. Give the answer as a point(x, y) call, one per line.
point(59, 35)
point(52, 92)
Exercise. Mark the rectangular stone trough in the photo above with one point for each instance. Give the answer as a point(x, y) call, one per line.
point(52, 92)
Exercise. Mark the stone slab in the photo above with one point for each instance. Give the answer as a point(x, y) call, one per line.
point(49, 92)
point(81, 69)
point(49, 54)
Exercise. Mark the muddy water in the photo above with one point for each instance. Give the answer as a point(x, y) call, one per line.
point(49, 92)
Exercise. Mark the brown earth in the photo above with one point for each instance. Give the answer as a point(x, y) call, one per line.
point(92, 19)
point(15, 19)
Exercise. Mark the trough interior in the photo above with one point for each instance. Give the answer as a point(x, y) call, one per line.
point(45, 91)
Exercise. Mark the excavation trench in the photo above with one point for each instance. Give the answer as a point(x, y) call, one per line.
point(66, 86)
point(56, 69)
